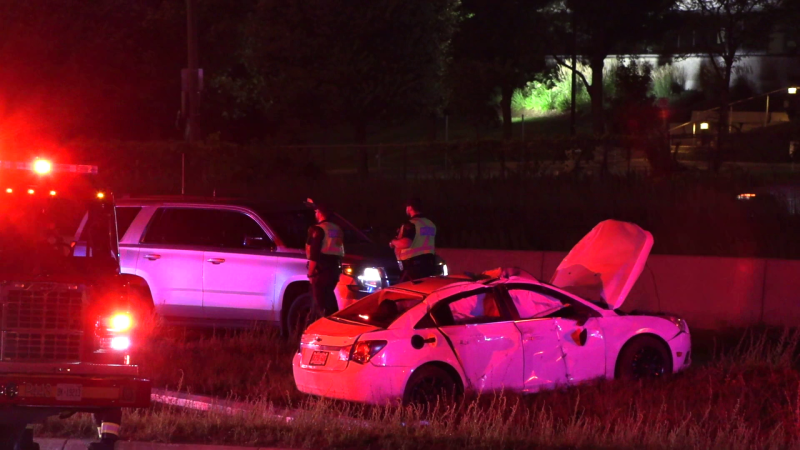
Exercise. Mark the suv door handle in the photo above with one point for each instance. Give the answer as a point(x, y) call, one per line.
point(152, 257)
point(216, 261)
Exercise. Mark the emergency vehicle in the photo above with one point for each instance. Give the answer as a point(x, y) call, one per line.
point(66, 325)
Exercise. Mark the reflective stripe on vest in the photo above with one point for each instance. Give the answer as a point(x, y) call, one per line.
point(109, 428)
point(424, 242)
point(333, 243)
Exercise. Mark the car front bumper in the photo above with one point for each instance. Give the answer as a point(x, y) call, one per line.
point(681, 348)
point(73, 386)
point(365, 383)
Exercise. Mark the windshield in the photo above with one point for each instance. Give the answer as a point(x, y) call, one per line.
point(380, 309)
point(292, 227)
point(52, 235)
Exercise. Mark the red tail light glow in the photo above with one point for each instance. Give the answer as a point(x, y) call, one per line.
point(363, 351)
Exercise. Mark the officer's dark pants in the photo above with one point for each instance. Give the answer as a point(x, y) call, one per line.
point(323, 285)
point(419, 267)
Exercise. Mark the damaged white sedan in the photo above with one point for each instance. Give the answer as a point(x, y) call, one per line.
point(502, 330)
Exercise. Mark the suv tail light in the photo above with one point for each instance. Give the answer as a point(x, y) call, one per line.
point(361, 352)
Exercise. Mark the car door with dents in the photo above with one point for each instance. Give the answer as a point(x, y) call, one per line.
point(485, 340)
point(569, 345)
point(544, 366)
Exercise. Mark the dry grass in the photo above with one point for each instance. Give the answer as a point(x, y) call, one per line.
point(745, 395)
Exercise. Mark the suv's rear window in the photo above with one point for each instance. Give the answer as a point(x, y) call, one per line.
point(380, 309)
point(125, 216)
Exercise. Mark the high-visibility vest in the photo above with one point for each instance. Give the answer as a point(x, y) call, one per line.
point(424, 242)
point(333, 243)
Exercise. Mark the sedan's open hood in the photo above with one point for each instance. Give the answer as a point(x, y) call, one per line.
point(606, 263)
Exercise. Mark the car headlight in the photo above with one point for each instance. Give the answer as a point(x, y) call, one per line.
point(680, 323)
point(369, 278)
point(112, 332)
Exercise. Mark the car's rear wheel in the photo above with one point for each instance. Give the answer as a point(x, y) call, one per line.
point(644, 357)
point(297, 318)
point(429, 385)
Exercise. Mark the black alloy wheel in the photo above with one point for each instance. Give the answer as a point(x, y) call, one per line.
point(644, 357)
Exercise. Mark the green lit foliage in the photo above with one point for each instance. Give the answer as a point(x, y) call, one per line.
point(668, 82)
point(551, 94)
point(501, 44)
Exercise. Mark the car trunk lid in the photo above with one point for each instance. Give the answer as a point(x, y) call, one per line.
point(324, 341)
point(606, 263)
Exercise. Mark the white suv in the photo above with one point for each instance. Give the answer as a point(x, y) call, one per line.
point(233, 262)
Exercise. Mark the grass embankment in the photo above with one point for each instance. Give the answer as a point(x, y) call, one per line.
point(735, 396)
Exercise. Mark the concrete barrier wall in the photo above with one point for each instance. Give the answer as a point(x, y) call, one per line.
point(709, 292)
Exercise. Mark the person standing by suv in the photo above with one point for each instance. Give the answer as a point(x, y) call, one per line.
point(415, 244)
point(324, 250)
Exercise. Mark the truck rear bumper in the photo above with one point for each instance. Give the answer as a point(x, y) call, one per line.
point(81, 388)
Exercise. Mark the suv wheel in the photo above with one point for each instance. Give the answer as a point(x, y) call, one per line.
point(297, 318)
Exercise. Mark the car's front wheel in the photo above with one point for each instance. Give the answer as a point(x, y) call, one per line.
point(644, 357)
point(429, 385)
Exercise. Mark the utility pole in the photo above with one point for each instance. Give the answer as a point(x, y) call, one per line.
point(572, 129)
point(192, 78)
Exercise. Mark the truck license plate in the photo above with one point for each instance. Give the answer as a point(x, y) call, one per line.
point(318, 359)
point(69, 392)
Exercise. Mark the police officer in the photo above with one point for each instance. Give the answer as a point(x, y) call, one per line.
point(415, 244)
point(108, 422)
point(324, 250)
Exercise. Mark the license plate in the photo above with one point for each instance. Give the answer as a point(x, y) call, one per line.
point(37, 390)
point(318, 359)
point(69, 392)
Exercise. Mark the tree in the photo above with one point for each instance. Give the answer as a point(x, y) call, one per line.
point(501, 45)
point(606, 27)
point(356, 61)
point(734, 25)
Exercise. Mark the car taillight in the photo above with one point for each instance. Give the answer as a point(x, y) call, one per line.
point(361, 352)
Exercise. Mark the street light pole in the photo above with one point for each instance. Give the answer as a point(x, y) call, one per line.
point(192, 83)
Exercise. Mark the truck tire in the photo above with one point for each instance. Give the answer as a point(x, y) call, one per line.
point(296, 320)
point(11, 436)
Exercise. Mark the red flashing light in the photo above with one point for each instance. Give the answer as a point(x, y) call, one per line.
point(42, 166)
point(31, 191)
